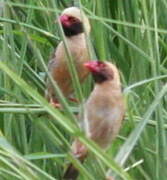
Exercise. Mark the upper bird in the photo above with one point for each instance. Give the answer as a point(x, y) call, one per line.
point(73, 22)
point(103, 111)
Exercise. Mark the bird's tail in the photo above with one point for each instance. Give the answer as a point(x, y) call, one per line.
point(71, 173)
point(79, 151)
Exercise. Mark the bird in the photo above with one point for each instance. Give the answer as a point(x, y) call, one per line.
point(74, 24)
point(103, 111)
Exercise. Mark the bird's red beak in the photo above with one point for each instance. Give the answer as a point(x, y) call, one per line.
point(64, 19)
point(92, 66)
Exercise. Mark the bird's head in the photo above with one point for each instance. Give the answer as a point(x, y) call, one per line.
point(74, 22)
point(102, 71)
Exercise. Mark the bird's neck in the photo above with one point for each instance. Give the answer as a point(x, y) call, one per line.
point(108, 86)
point(77, 38)
point(76, 43)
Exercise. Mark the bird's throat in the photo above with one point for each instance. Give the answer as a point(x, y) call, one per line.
point(73, 29)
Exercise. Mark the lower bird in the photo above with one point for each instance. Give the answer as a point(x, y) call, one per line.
point(103, 111)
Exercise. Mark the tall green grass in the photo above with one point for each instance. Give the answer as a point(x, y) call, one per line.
point(35, 138)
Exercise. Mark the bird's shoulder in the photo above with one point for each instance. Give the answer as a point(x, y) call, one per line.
point(55, 57)
point(52, 63)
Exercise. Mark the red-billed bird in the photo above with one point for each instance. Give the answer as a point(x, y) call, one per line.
point(73, 23)
point(103, 111)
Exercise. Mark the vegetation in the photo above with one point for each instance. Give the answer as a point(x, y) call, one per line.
point(35, 138)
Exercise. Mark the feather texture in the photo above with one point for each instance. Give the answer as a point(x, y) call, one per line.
point(103, 111)
point(58, 64)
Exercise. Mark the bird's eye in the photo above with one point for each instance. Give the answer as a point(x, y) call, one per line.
point(72, 19)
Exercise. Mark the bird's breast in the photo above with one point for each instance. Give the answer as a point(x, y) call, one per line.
point(104, 115)
point(61, 73)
